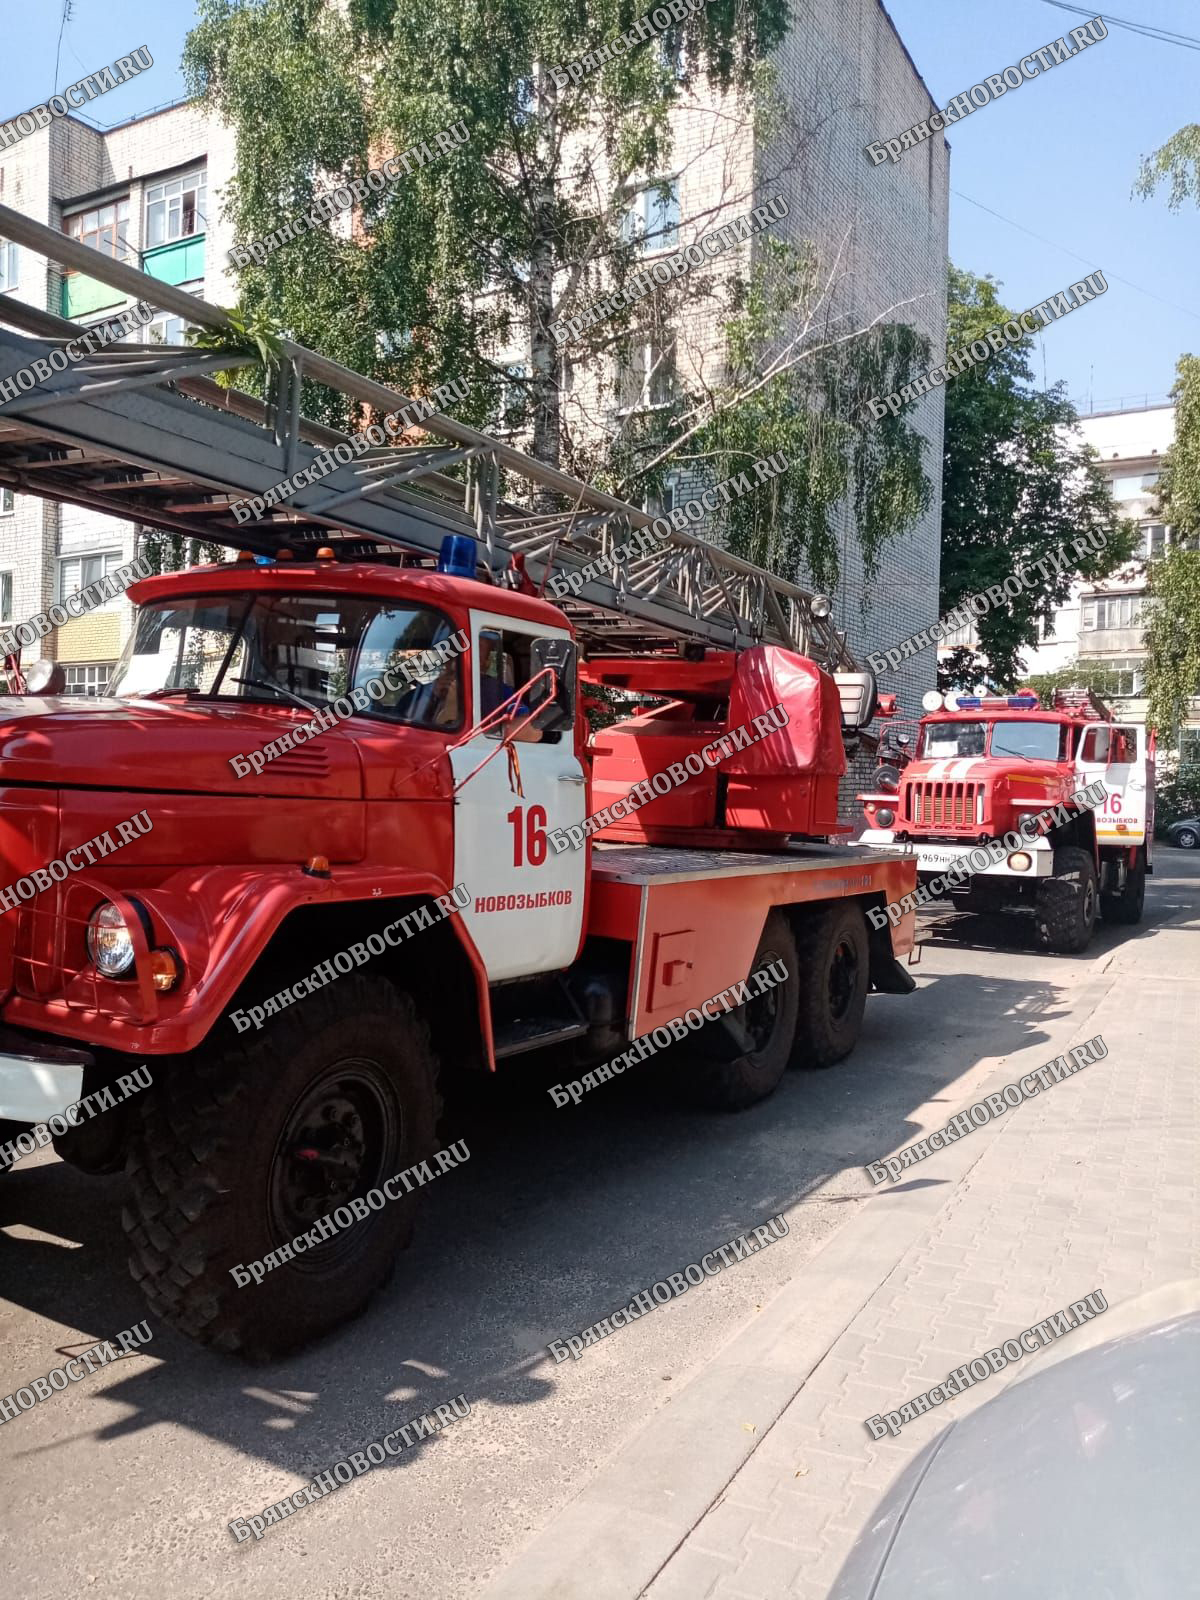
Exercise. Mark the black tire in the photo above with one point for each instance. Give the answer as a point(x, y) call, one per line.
point(719, 1072)
point(1068, 902)
point(835, 975)
point(1187, 838)
point(232, 1159)
point(1126, 907)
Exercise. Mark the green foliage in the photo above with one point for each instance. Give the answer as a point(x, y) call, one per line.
point(814, 412)
point(449, 256)
point(1179, 486)
point(250, 335)
point(1173, 628)
point(1176, 793)
point(1081, 674)
point(1179, 161)
point(1173, 638)
point(522, 225)
point(1016, 487)
point(172, 552)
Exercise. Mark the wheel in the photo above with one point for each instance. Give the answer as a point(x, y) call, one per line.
point(835, 974)
point(244, 1146)
point(1067, 902)
point(1127, 905)
point(1187, 838)
point(739, 1060)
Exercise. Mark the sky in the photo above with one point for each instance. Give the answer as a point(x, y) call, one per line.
point(1040, 180)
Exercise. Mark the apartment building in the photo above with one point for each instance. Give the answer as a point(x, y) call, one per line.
point(842, 78)
point(147, 193)
point(1102, 624)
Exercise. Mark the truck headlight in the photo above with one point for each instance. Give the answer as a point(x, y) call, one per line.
point(885, 817)
point(109, 942)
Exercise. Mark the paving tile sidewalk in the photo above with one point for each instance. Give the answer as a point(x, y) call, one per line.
point(1094, 1184)
point(756, 1483)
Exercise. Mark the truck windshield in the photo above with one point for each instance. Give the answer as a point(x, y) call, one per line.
point(1042, 741)
point(287, 648)
point(951, 739)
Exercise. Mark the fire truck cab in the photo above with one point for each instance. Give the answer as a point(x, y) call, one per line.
point(982, 766)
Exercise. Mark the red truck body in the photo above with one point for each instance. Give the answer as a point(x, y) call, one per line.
point(240, 885)
point(983, 770)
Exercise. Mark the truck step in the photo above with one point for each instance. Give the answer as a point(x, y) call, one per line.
point(531, 1033)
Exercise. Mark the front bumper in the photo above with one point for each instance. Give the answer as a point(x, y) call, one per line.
point(38, 1079)
point(935, 858)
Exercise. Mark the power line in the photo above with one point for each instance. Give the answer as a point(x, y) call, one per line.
point(66, 17)
point(1087, 261)
point(1148, 30)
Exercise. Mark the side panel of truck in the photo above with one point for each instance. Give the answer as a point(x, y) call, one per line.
point(694, 931)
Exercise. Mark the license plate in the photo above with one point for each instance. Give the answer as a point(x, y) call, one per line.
point(935, 860)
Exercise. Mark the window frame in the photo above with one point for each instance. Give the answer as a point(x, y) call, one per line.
point(636, 215)
point(1091, 610)
point(104, 554)
point(156, 194)
point(10, 263)
point(194, 286)
point(121, 251)
point(87, 666)
point(9, 495)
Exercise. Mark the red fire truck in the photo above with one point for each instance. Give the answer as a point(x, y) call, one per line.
point(172, 949)
point(983, 764)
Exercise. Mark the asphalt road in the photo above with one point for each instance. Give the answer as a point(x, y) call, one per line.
point(123, 1484)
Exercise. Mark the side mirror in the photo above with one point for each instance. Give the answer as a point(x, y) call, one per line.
point(561, 655)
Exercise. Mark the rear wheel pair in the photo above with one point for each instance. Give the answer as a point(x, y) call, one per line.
point(1069, 901)
point(810, 1018)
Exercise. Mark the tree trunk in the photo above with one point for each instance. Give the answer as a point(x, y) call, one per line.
point(543, 356)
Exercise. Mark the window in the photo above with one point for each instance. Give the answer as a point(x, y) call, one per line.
point(6, 594)
point(646, 374)
point(77, 572)
point(662, 503)
point(89, 678)
point(1112, 611)
point(1155, 534)
point(166, 328)
point(1122, 678)
point(1132, 487)
point(938, 739)
point(292, 650)
point(1040, 741)
point(8, 503)
point(104, 228)
point(9, 265)
point(514, 400)
point(176, 210)
point(1189, 747)
point(651, 219)
point(507, 662)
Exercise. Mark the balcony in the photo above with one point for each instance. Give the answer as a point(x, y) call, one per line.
point(181, 261)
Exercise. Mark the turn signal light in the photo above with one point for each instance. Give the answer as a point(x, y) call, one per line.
point(325, 553)
point(317, 866)
point(165, 969)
